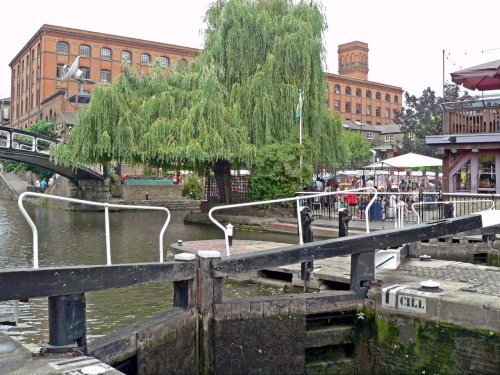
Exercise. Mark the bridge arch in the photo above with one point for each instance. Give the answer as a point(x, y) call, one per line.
point(31, 148)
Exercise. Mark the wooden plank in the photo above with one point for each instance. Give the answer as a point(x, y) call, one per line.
point(343, 246)
point(55, 281)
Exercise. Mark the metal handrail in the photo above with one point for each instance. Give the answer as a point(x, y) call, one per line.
point(90, 203)
point(299, 222)
point(454, 205)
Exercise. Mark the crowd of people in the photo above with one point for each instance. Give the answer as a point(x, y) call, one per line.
point(413, 190)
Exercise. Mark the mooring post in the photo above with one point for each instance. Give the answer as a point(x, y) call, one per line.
point(208, 293)
point(306, 268)
point(184, 294)
point(362, 264)
point(67, 324)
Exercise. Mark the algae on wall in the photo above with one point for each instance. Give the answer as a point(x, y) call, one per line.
point(390, 344)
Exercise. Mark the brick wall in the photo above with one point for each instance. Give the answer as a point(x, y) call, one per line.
point(165, 192)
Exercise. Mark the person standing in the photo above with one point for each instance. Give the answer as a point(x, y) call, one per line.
point(43, 185)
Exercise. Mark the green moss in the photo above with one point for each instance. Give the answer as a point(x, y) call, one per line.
point(492, 259)
point(387, 332)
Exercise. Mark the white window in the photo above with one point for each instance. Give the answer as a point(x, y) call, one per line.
point(164, 61)
point(389, 137)
point(126, 56)
point(84, 50)
point(105, 76)
point(105, 54)
point(62, 48)
point(145, 59)
point(387, 113)
point(369, 135)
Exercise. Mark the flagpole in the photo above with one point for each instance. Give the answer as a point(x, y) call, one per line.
point(301, 100)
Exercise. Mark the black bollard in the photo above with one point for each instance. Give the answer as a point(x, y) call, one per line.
point(448, 210)
point(306, 219)
point(67, 324)
point(344, 218)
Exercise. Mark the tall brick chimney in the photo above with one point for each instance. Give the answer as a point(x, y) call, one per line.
point(353, 60)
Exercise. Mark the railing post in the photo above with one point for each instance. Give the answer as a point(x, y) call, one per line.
point(362, 264)
point(184, 294)
point(67, 324)
point(208, 293)
point(306, 268)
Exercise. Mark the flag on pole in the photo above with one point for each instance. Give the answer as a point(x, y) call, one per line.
point(298, 111)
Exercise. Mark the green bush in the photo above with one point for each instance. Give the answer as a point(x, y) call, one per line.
point(192, 186)
point(276, 172)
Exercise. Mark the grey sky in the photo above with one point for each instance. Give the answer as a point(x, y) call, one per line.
point(405, 38)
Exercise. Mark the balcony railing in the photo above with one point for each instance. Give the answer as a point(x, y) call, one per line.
point(472, 118)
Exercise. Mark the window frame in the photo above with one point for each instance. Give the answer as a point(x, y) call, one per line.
point(164, 58)
point(358, 92)
point(104, 71)
point(105, 56)
point(129, 56)
point(336, 88)
point(143, 61)
point(60, 50)
point(369, 135)
point(84, 47)
point(348, 107)
point(378, 95)
point(389, 137)
point(387, 98)
point(348, 90)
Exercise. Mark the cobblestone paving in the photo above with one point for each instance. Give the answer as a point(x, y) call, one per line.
point(483, 280)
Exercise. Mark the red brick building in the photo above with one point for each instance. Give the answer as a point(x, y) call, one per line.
point(37, 91)
point(356, 98)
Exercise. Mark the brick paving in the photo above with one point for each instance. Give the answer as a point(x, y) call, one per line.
point(480, 279)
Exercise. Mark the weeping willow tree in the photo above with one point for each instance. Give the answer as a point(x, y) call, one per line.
point(239, 96)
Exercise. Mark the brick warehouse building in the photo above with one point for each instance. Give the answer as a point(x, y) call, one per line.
point(36, 89)
point(37, 92)
point(356, 98)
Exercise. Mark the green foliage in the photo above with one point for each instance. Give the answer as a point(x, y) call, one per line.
point(358, 150)
point(276, 173)
point(422, 116)
point(192, 186)
point(239, 96)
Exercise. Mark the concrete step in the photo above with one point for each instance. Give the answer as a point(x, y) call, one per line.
point(329, 336)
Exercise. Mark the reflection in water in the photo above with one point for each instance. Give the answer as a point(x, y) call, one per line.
point(77, 238)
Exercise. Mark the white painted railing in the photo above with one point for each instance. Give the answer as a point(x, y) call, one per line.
point(90, 203)
point(454, 205)
point(299, 208)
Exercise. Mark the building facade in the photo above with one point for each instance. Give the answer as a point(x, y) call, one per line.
point(355, 97)
point(36, 84)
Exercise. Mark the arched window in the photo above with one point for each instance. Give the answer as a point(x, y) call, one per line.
point(348, 90)
point(378, 96)
point(105, 76)
point(387, 98)
point(183, 63)
point(396, 99)
point(358, 92)
point(62, 48)
point(126, 56)
point(337, 89)
point(84, 50)
point(145, 59)
point(164, 61)
point(105, 54)
point(368, 94)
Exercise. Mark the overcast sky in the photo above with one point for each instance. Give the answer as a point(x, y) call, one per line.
point(406, 38)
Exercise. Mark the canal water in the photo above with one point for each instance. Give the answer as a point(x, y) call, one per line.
point(77, 238)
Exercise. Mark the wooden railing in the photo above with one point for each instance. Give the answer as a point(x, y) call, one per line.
point(472, 120)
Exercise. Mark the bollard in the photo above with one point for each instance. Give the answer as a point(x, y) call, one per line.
point(344, 218)
point(147, 196)
point(229, 231)
point(67, 324)
point(306, 268)
point(448, 210)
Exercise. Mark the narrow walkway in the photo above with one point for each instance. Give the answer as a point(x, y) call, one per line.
point(14, 183)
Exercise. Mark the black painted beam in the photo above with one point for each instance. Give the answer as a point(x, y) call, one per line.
point(343, 246)
point(54, 281)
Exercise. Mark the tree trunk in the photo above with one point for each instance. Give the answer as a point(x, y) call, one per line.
point(222, 172)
